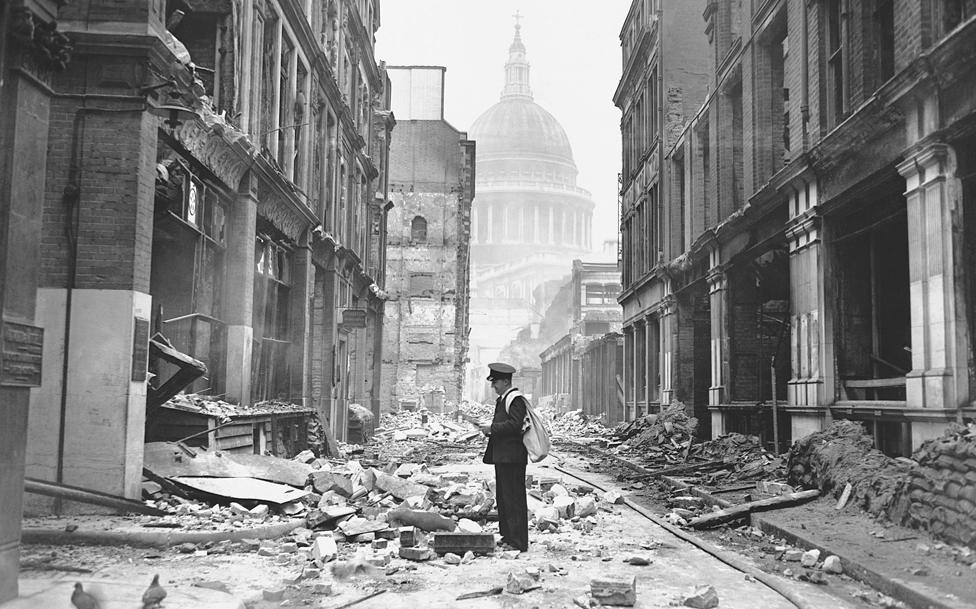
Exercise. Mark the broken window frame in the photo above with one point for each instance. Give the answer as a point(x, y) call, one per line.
point(201, 215)
point(271, 318)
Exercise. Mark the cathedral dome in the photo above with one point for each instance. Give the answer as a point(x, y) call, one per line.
point(518, 127)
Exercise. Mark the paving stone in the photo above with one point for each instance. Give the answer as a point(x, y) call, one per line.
point(322, 588)
point(273, 595)
point(379, 544)
point(408, 536)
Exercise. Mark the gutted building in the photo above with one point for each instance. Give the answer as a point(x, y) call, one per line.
point(432, 173)
point(594, 288)
point(817, 226)
point(528, 219)
point(215, 183)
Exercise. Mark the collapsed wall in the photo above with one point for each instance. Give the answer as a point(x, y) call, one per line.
point(941, 491)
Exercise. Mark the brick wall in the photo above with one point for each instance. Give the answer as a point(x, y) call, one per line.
point(112, 151)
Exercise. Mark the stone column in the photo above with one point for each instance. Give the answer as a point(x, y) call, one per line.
point(668, 342)
point(239, 291)
point(653, 357)
point(939, 378)
point(628, 332)
point(640, 365)
point(810, 342)
point(717, 279)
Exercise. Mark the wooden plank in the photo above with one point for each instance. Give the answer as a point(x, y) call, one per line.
point(235, 430)
point(898, 381)
point(83, 495)
point(744, 509)
point(234, 442)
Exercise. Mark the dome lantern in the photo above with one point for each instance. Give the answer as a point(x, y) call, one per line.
point(517, 67)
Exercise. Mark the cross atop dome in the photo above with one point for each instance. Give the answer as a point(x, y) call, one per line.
point(518, 19)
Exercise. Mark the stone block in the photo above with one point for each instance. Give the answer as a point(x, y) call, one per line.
point(459, 543)
point(615, 592)
point(810, 558)
point(702, 597)
point(408, 537)
point(357, 526)
point(565, 506)
point(832, 564)
point(324, 549)
point(585, 506)
point(274, 595)
point(415, 553)
point(465, 525)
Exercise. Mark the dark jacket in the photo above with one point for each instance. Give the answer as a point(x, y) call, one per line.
point(505, 442)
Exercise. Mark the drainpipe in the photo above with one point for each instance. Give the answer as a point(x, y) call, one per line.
point(804, 73)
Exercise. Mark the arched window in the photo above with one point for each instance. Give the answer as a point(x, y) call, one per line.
point(418, 229)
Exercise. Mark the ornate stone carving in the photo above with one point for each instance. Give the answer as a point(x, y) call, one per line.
point(281, 213)
point(212, 151)
point(50, 48)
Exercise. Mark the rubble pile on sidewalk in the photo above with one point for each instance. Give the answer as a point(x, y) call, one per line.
point(843, 454)
point(745, 457)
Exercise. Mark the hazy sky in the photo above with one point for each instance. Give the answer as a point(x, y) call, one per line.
point(574, 51)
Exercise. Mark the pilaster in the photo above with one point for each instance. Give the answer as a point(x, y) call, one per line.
point(940, 376)
point(811, 373)
point(717, 280)
point(239, 287)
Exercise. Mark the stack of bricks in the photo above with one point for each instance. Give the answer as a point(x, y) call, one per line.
point(941, 494)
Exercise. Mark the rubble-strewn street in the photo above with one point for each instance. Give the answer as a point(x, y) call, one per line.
point(430, 303)
point(407, 520)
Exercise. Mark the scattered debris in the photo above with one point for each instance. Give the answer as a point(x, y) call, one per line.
point(744, 509)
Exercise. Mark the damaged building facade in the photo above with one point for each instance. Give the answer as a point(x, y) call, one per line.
point(208, 177)
point(529, 219)
point(432, 173)
point(569, 380)
point(816, 227)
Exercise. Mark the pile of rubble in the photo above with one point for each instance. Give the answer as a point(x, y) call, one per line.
point(842, 455)
point(211, 406)
point(670, 429)
point(574, 425)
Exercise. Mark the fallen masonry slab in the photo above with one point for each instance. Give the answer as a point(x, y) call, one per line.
point(616, 592)
point(400, 488)
point(358, 526)
point(459, 543)
point(325, 481)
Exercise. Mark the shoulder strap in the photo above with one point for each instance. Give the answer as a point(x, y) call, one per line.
point(510, 397)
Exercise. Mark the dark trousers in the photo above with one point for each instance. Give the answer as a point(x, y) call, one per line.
point(513, 512)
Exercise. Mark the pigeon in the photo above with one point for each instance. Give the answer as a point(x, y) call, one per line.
point(154, 594)
point(83, 600)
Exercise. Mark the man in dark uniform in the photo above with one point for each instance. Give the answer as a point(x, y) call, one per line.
point(506, 451)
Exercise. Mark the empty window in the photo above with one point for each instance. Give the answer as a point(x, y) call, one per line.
point(418, 230)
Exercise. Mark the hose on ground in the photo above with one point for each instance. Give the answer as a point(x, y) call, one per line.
point(734, 562)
